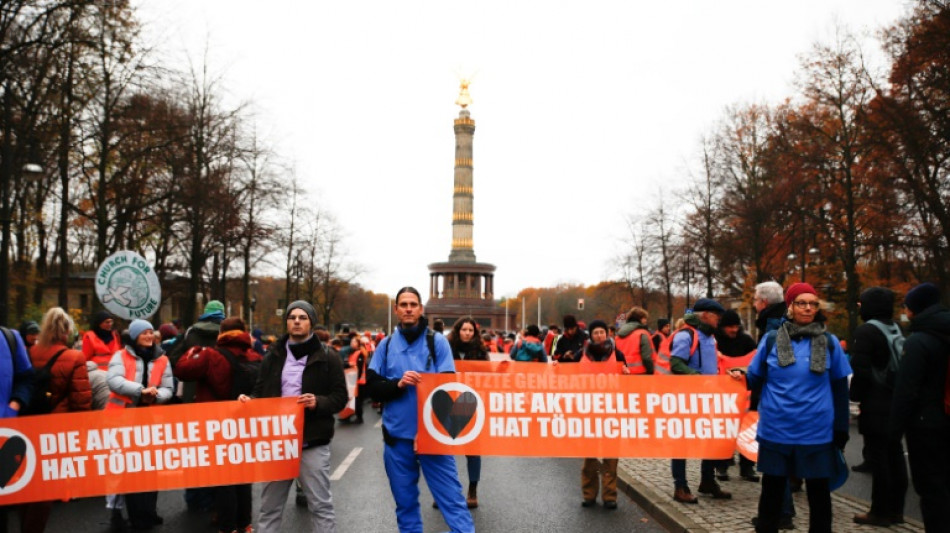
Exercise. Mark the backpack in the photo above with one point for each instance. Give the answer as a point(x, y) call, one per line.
point(895, 343)
point(41, 399)
point(244, 373)
point(529, 351)
point(661, 365)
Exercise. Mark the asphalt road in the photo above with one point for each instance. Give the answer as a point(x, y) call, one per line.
point(515, 494)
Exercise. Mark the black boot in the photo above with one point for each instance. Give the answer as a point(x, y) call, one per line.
point(117, 522)
point(747, 472)
point(472, 499)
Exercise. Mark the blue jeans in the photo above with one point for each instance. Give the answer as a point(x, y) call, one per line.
point(707, 469)
point(474, 463)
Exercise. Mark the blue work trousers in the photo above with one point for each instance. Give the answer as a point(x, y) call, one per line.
point(402, 467)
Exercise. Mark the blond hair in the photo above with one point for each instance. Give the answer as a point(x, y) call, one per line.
point(56, 327)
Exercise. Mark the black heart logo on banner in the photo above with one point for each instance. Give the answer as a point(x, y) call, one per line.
point(12, 454)
point(455, 414)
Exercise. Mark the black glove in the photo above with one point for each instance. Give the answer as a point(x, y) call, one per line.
point(840, 439)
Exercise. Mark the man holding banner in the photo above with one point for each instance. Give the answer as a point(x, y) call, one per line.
point(397, 367)
point(299, 365)
point(693, 351)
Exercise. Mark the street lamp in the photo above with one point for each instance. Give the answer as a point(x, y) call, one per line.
point(30, 172)
point(252, 285)
point(812, 252)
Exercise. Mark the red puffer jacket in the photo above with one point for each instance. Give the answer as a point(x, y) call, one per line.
point(210, 369)
point(69, 380)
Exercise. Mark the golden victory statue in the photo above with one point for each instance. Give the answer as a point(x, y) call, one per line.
point(464, 98)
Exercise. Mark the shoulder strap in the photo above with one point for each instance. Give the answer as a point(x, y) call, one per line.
point(52, 360)
point(232, 359)
point(769, 344)
point(430, 341)
point(11, 342)
point(48, 367)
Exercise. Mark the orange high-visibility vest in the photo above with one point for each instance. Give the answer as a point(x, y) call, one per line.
point(120, 401)
point(99, 352)
point(630, 346)
point(354, 360)
point(661, 363)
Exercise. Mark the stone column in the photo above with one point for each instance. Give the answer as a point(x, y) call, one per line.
point(463, 194)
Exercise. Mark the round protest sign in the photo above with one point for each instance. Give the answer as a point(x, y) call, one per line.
point(127, 286)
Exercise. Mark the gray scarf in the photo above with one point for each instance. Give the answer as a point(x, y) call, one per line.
point(819, 344)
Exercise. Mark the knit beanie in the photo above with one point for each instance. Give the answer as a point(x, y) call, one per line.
point(796, 290)
point(213, 306)
point(305, 306)
point(233, 323)
point(921, 297)
point(137, 327)
point(98, 318)
point(570, 322)
point(532, 331)
point(730, 318)
point(660, 322)
point(168, 330)
point(597, 324)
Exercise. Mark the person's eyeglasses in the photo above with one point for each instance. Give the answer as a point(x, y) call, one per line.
point(297, 317)
point(805, 305)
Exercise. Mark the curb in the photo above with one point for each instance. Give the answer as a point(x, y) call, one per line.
point(666, 513)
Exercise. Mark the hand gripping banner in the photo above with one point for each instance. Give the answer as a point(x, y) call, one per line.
point(73, 455)
point(557, 411)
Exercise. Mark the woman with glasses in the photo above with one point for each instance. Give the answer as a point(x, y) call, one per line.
point(803, 412)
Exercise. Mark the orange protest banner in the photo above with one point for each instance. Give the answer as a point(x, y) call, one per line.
point(74, 455)
point(726, 362)
point(521, 367)
point(551, 414)
point(746, 443)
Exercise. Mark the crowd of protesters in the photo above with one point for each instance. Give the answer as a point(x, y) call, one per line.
point(799, 371)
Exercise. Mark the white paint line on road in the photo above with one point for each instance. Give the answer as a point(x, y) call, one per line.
point(378, 424)
point(340, 470)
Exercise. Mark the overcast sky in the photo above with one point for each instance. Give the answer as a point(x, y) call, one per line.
point(584, 111)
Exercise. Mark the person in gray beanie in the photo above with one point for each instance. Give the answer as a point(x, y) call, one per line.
point(305, 306)
point(140, 375)
point(299, 365)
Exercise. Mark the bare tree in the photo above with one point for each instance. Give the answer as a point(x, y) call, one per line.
point(632, 264)
point(660, 243)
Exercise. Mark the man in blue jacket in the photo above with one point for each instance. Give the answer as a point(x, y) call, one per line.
point(398, 365)
point(16, 384)
point(702, 321)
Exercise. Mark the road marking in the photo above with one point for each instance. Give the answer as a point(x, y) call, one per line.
point(378, 424)
point(340, 470)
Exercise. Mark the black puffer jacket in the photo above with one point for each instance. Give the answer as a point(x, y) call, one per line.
point(869, 349)
point(322, 377)
point(918, 394)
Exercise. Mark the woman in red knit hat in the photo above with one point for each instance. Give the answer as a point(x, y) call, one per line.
point(803, 411)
